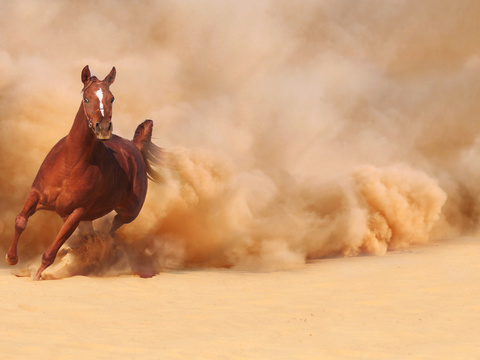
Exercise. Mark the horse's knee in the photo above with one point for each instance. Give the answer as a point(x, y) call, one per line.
point(20, 222)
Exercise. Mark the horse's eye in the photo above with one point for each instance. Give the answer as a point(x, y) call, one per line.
point(113, 99)
point(86, 100)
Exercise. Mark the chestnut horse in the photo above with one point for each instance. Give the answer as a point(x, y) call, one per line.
point(90, 172)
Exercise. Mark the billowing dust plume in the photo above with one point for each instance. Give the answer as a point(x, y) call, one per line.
point(294, 131)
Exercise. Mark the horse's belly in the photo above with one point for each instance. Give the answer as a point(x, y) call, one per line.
point(96, 214)
point(65, 205)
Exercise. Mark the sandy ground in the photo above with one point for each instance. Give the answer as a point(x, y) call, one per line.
point(420, 303)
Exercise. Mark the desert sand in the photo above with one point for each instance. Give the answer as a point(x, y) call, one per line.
point(417, 303)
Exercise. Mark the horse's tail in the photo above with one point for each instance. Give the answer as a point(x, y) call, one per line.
point(152, 154)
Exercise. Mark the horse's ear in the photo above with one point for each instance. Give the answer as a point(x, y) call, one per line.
point(86, 75)
point(110, 78)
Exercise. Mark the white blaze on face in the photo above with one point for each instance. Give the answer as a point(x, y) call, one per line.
point(99, 94)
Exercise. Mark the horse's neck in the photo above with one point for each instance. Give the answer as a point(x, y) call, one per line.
point(80, 141)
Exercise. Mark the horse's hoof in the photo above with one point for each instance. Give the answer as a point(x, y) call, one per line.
point(11, 260)
point(38, 276)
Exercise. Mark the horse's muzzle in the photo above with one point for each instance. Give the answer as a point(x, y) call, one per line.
point(103, 131)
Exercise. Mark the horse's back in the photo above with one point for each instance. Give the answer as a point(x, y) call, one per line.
point(127, 154)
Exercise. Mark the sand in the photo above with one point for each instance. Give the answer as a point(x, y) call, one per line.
point(419, 303)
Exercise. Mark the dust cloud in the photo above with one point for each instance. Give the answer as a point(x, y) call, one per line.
point(294, 130)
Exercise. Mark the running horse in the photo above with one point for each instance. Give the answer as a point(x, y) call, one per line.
point(90, 172)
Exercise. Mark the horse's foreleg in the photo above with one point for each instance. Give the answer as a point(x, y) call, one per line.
point(20, 224)
point(69, 225)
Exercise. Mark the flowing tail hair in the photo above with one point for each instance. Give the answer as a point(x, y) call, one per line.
point(152, 154)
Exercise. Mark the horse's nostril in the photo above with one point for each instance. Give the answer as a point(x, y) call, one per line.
point(97, 126)
point(109, 126)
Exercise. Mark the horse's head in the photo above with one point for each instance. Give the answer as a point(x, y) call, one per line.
point(97, 103)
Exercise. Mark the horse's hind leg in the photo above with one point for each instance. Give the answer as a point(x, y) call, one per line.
point(130, 211)
point(20, 224)
point(140, 262)
point(120, 219)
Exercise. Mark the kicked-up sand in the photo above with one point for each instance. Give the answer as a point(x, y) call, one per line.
point(418, 303)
